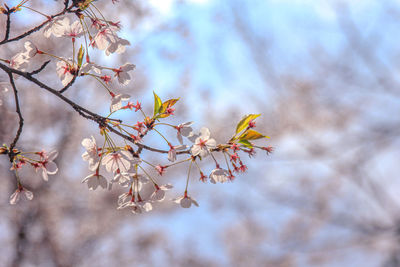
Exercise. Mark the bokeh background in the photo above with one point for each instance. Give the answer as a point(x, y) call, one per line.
point(325, 76)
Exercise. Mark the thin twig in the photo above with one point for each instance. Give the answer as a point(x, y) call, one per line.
point(100, 120)
point(11, 153)
point(39, 69)
point(19, 37)
point(68, 85)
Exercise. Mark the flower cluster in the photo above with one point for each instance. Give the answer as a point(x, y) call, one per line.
point(130, 170)
point(110, 165)
point(41, 161)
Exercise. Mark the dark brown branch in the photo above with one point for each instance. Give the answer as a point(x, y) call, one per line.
point(19, 37)
point(39, 69)
point(11, 153)
point(101, 121)
point(8, 23)
point(68, 85)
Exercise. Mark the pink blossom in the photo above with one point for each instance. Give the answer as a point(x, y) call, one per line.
point(15, 197)
point(116, 101)
point(122, 73)
point(185, 201)
point(184, 129)
point(65, 71)
point(159, 192)
point(94, 180)
point(203, 143)
point(91, 154)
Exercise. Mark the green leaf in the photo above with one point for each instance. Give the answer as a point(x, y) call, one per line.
point(244, 122)
point(251, 135)
point(246, 143)
point(81, 53)
point(168, 103)
point(157, 104)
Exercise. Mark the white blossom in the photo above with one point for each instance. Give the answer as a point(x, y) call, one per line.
point(203, 143)
point(19, 61)
point(65, 71)
point(172, 152)
point(137, 206)
point(94, 180)
point(116, 101)
point(159, 192)
point(184, 129)
point(15, 197)
point(88, 67)
point(185, 201)
point(104, 38)
point(120, 161)
point(117, 47)
point(46, 164)
point(122, 73)
point(219, 175)
point(55, 27)
point(72, 30)
point(91, 154)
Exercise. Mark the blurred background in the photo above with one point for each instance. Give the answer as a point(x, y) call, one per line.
point(324, 75)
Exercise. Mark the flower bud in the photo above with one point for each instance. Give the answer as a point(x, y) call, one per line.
point(3, 150)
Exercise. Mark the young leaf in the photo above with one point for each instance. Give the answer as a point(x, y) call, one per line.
point(80, 56)
point(168, 104)
point(246, 143)
point(251, 135)
point(157, 104)
point(244, 122)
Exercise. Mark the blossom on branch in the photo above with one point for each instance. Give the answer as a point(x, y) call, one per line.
point(15, 197)
point(185, 201)
point(94, 180)
point(65, 71)
point(91, 154)
point(203, 143)
point(122, 73)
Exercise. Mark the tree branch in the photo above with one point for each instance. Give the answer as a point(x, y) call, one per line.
point(39, 69)
point(100, 120)
point(6, 40)
point(68, 85)
point(11, 153)
point(8, 23)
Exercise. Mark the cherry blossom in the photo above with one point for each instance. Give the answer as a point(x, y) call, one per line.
point(19, 61)
point(126, 178)
point(219, 175)
point(172, 151)
point(117, 47)
point(120, 161)
point(184, 129)
point(122, 73)
point(30, 50)
point(94, 180)
point(65, 71)
point(203, 143)
point(88, 67)
point(91, 154)
point(137, 206)
point(159, 193)
point(72, 30)
point(55, 27)
point(185, 201)
point(103, 39)
point(160, 169)
point(15, 197)
point(46, 165)
point(116, 101)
